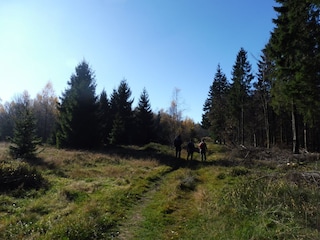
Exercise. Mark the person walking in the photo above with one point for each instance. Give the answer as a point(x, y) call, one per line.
point(177, 143)
point(190, 149)
point(203, 150)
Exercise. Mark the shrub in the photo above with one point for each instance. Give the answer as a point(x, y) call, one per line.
point(14, 174)
point(239, 171)
point(188, 182)
point(221, 176)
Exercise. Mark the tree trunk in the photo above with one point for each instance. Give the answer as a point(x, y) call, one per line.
point(295, 141)
point(242, 125)
point(266, 122)
point(305, 137)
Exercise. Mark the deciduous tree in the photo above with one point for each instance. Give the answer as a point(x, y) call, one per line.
point(45, 110)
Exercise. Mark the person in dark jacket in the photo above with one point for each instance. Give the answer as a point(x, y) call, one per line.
point(177, 143)
point(190, 149)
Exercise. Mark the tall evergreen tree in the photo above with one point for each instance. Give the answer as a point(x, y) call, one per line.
point(294, 50)
point(24, 142)
point(207, 106)
point(144, 119)
point(78, 122)
point(239, 94)
point(104, 115)
point(263, 96)
point(215, 106)
point(121, 110)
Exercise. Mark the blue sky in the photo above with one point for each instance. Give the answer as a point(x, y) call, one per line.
point(161, 45)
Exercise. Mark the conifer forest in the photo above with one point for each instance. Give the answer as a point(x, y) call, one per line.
point(278, 105)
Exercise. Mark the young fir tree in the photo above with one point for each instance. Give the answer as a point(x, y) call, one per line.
point(239, 94)
point(118, 132)
point(78, 121)
point(24, 142)
point(122, 115)
point(144, 119)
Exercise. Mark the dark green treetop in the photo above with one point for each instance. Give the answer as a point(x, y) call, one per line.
point(121, 110)
point(144, 119)
point(240, 92)
point(104, 115)
point(294, 50)
point(215, 106)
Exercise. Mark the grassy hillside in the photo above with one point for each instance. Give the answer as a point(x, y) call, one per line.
point(145, 193)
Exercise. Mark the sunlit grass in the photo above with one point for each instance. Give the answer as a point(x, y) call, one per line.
point(134, 193)
point(89, 194)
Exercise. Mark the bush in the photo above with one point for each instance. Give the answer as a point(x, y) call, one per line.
point(188, 182)
point(14, 174)
point(239, 171)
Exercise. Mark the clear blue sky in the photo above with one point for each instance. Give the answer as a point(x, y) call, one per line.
point(157, 44)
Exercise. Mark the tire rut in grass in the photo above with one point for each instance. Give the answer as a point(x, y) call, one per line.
point(129, 225)
point(183, 181)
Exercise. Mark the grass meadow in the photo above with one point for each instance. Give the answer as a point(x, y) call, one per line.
point(145, 193)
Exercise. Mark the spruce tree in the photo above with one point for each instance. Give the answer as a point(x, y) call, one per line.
point(104, 115)
point(207, 106)
point(294, 50)
point(122, 115)
point(118, 131)
point(24, 142)
point(215, 107)
point(144, 119)
point(78, 121)
point(262, 95)
point(219, 113)
point(239, 94)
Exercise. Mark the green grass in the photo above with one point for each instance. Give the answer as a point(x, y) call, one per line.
point(144, 193)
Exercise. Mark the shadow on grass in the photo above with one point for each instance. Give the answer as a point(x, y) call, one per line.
point(164, 157)
point(41, 163)
point(163, 154)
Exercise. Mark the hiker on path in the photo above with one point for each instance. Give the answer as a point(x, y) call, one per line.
point(190, 149)
point(177, 143)
point(203, 150)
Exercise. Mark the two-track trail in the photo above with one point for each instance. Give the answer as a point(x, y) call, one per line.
point(164, 210)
